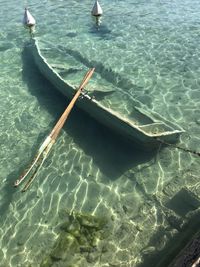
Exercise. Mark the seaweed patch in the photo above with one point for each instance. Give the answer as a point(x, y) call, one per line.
point(79, 241)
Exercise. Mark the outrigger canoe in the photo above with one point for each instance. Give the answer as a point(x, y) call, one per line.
point(101, 100)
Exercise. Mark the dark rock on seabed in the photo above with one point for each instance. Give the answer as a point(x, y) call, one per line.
point(190, 255)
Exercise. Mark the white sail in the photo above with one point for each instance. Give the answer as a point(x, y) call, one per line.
point(28, 19)
point(97, 10)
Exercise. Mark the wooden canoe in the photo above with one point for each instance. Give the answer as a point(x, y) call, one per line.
point(142, 127)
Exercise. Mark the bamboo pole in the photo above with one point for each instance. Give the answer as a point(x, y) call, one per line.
point(54, 133)
point(51, 138)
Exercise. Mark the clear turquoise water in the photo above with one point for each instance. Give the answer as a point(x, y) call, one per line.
point(154, 46)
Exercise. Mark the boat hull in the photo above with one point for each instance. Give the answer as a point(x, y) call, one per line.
point(97, 111)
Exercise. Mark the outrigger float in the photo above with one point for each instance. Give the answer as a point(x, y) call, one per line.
point(144, 128)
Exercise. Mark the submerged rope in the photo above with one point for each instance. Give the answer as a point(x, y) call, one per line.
point(196, 153)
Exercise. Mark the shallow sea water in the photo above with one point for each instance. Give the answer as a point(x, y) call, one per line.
point(149, 198)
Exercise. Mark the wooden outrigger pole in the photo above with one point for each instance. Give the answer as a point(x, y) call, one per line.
point(51, 138)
